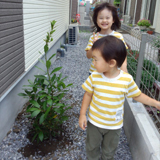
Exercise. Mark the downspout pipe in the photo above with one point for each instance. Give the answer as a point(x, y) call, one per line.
point(135, 9)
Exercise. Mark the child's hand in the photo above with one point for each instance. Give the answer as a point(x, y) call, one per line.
point(158, 105)
point(95, 37)
point(83, 121)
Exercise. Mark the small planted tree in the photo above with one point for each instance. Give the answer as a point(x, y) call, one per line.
point(47, 104)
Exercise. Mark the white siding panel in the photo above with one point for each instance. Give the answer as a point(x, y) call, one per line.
point(37, 15)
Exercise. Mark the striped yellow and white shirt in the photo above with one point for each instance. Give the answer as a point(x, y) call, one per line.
point(90, 43)
point(107, 105)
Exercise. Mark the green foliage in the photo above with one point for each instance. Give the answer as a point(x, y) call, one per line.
point(116, 2)
point(144, 22)
point(131, 25)
point(73, 20)
point(156, 42)
point(149, 72)
point(46, 96)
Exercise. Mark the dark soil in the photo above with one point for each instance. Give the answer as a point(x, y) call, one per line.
point(47, 147)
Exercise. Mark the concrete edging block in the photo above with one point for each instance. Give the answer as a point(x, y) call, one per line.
point(142, 135)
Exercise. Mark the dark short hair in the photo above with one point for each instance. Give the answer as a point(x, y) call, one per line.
point(99, 7)
point(111, 48)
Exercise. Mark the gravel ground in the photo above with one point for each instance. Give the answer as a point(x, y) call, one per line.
point(72, 146)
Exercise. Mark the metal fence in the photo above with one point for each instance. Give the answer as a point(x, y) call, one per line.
point(143, 63)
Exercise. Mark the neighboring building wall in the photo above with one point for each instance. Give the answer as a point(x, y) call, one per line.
point(37, 17)
point(11, 43)
point(132, 9)
point(156, 22)
point(74, 8)
point(122, 6)
point(111, 1)
point(138, 11)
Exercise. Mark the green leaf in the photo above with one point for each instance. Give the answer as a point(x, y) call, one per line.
point(51, 32)
point(64, 118)
point(42, 118)
point(51, 56)
point(40, 76)
point(22, 94)
point(69, 84)
point(61, 84)
point(46, 82)
point(49, 90)
point(34, 103)
point(59, 104)
point(42, 96)
point(28, 85)
point(60, 96)
point(58, 110)
point(30, 82)
point(56, 69)
point(35, 113)
point(34, 137)
point(35, 89)
point(53, 77)
point(32, 109)
point(53, 22)
point(48, 64)
point(40, 52)
point(46, 48)
point(41, 61)
point(49, 97)
point(44, 105)
point(40, 69)
point(48, 110)
point(64, 78)
point(41, 136)
point(50, 102)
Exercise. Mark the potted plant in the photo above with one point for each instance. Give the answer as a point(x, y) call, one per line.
point(73, 20)
point(143, 24)
point(150, 30)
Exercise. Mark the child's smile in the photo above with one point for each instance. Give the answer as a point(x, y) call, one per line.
point(105, 20)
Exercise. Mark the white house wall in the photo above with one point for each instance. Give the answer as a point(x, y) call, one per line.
point(37, 15)
point(156, 22)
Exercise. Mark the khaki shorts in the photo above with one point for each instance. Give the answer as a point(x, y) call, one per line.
point(101, 143)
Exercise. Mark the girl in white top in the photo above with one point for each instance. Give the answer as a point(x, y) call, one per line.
point(106, 21)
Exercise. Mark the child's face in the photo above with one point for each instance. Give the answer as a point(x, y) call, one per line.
point(105, 19)
point(99, 63)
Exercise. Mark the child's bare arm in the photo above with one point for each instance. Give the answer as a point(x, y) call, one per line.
point(147, 100)
point(85, 103)
point(124, 66)
point(89, 54)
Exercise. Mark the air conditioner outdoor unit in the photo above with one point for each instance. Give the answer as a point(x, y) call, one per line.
point(73, 34)
point(126, 19)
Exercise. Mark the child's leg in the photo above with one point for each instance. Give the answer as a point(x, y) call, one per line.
point(110, 143)
point(93, 142)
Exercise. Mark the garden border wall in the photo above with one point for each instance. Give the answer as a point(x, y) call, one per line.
point(142, 135)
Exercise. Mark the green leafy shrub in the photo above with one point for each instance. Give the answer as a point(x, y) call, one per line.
point(144, 22)
point(149, 72)
point(46, 96)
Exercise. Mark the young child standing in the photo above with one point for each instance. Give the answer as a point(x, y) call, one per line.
point(106, 89)
point(106, 21)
